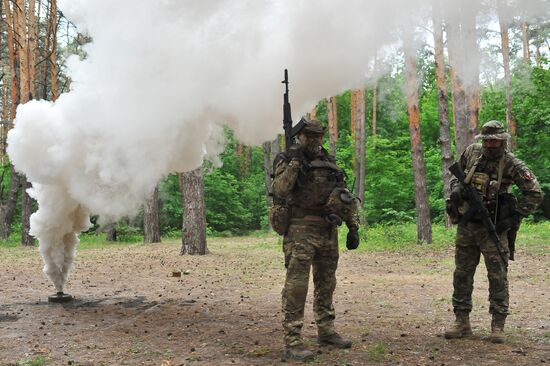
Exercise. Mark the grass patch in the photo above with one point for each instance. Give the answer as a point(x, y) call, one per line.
point(260, 352)
point(36, 361)
point(378, 352)
point(532, 239)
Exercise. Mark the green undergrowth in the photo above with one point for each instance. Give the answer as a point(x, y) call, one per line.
point(374, 238)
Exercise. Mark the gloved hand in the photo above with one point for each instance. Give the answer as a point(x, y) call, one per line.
point(457, 195)
point(296, 152)
point(352, 240)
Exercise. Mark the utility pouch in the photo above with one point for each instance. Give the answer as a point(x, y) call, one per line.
point(279, 218)
point(481, 182)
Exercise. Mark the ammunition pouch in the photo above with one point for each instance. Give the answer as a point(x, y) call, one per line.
point(341, 204)
point(279, 218)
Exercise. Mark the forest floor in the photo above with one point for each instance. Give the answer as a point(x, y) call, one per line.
point(225, 308)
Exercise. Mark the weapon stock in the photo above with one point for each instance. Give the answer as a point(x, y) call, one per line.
point(477, 207)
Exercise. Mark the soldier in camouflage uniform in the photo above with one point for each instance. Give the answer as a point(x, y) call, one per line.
point(492, 170)
point(305, 177)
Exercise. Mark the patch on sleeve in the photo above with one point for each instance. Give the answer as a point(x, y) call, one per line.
point(527, 175)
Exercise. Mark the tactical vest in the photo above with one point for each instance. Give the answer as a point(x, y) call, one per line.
point(496, 191)
point(485, 177)
point(315, 183)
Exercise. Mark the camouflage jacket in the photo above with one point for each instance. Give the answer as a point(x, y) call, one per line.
point(485, 178)
point(306, 185)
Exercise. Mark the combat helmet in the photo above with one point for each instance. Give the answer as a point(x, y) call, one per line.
point(493, 130)
point(309, 127)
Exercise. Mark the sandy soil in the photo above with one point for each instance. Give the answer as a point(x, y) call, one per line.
point(225, 309)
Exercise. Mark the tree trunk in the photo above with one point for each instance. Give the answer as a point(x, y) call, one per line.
point(525, 42)
point(443, 109)
point(465, 92)
point(22, 46)
point(332, 112)
point(4, 92)
point(110, 229)
point(20, 21)
point(247, 160)
point(46, 52)
point(32, 48)
point(313, 113)
point(54, 69)
point(423, 221)
point(194, 213)
point(505, 48)
point(374, 109)
point(12, 53)
point(358, 116)
point(268, 171)
point(151, 220)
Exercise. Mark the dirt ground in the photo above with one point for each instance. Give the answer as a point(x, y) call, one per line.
point(225, 309)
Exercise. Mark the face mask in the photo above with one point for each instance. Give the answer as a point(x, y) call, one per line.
point(314, 148)
point(493, 152)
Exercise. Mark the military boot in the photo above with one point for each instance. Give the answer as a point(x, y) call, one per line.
point(497, 328)
point(297, 353)
point(461, 327)
point(333, 339)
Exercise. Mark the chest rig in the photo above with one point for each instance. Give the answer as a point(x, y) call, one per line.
point(316, 181)
point(487, 177)
point(495, 187)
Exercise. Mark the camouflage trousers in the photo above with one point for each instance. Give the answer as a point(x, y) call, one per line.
point(472, 240)
point(309, 244)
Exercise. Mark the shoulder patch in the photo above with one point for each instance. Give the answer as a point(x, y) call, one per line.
point(527, 175)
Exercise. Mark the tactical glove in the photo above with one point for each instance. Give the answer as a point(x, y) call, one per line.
point(457, 195)
point(352, 240)
point(296, 152)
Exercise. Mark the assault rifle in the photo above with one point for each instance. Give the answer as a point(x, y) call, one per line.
point(290, 131)
point(477, 207)
point(287, 115)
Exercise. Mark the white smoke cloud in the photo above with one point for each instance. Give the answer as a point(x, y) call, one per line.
point(161, 78)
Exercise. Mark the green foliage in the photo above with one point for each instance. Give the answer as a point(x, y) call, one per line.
point(235, 192)
point(531, 108)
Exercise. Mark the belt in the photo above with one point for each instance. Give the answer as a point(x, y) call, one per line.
point(298, 212)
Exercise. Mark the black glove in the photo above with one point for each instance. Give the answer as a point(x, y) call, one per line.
point(457, 195)
point(296, 152)
point(352, 240)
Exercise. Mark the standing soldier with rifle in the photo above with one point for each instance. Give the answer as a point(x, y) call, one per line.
point(310, 201)
point(488, 217)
